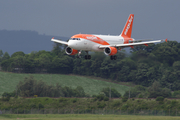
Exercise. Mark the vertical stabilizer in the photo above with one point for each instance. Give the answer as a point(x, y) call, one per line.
point(128, 27)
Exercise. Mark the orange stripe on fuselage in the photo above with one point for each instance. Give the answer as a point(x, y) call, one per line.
point(92, 38)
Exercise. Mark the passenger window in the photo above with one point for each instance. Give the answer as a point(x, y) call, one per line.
point(75, 39)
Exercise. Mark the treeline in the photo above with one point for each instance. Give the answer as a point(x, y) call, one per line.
point(153, 91)
point(31, 87)
point(75, 105)
point(144, 66)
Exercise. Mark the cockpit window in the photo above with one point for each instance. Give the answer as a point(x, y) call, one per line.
point(75, 39)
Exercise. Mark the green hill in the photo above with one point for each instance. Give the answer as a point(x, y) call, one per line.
point(8, 82)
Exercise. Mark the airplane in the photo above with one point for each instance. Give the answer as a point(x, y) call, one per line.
point(104, 43)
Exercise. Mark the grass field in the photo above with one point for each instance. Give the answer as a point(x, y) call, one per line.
point(8, 82)
point(84, 117)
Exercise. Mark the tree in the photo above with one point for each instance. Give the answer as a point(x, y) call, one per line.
point(44, 61)
point(17, 63)
point(105, 69)
point(58, 49)
point(1, 55)
point(166, 53)
point(114, 92)
point(5, 64)
point(85, 67)
point(148, 48)
point(20, 53)
point(176, 94)
point(135, 92)
point(141, 76)
point(79, 92)
point(29, 64)
point(68, 92)
point(63, 65)
point(156, 90)
point(5, 56)
point(27, 87)
point(176, 65)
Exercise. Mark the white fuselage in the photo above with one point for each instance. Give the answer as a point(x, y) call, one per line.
point(92, 43)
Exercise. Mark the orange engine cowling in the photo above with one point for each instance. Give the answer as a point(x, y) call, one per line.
point(110, 51)
point(70, 51)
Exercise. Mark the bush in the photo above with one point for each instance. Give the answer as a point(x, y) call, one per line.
point(160, 98)
point(176, 94)
point(74, 100)
point(93, 96)
point(10, 94)
point(116, 104)
point(124, 99)
point(62, 99)
point(140, 96)
point(174, 103)
point(33, 106)
point(40, 106)
point(114, 92)
point(101, 105)
point(31, 87)
point(124, 106)
point(106, 98)
point(100, 97)
point(6, 98)
point(15, 96)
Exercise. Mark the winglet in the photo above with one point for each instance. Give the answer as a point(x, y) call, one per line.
point(53, 38)
point(166, 39)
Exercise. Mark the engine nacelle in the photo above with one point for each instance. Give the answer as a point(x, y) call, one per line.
point(70, 51)
point(110, 51)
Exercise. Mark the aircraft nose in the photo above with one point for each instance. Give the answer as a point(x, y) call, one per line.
point(71, 44)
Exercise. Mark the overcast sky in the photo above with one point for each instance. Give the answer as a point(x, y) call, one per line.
point(156, 19)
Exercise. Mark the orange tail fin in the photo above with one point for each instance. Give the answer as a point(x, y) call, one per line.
point(128, 27)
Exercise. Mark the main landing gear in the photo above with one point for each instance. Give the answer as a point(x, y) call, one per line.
point(113, 57)
point(87, 56)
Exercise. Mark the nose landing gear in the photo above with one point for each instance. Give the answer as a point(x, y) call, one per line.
point(87, 57)
point(78, 56)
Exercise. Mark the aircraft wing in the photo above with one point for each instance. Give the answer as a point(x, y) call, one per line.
point(59, 41)
point(130, 44)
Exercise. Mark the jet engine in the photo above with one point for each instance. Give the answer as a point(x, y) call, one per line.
point(110, 51)
point(70, 51)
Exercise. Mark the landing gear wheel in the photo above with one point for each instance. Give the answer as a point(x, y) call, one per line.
point(113, 57)
point(87, 57)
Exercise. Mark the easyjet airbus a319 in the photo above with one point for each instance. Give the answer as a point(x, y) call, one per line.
point(106, 43)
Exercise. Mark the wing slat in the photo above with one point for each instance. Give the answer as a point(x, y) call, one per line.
point(130, 44)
